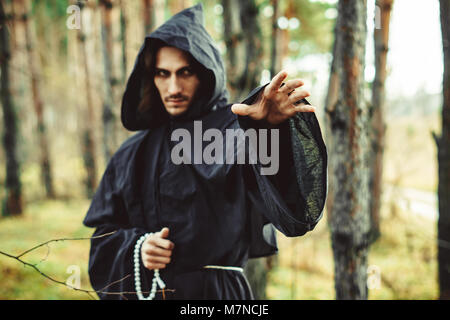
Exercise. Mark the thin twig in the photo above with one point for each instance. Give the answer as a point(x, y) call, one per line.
point(88, 292)
point(63, 239)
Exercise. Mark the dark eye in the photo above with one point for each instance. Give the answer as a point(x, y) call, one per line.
point(161, 73)
point(187, 72)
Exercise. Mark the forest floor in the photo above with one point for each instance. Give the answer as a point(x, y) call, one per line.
point(401, 265)
point(402, 262)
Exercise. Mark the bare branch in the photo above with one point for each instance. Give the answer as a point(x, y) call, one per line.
point(63, 239)
point(88, 292)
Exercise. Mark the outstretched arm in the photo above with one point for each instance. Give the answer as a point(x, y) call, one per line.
point(277, 102)
point(293, 198)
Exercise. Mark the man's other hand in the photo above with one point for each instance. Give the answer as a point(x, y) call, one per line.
point(157, 250)
point(277, 102)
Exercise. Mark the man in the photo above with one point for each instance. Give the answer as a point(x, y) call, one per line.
point(192, 226)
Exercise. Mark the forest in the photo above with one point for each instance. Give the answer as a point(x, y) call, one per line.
point(382, 101)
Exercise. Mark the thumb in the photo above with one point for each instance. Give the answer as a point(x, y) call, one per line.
point(164, 233)
point(240, 109)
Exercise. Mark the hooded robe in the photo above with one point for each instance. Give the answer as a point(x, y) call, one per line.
point(218, 214)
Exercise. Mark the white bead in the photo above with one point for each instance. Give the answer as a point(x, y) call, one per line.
point(137, 278)
point(161, 283)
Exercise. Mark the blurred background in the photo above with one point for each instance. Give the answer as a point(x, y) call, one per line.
point(375, 73)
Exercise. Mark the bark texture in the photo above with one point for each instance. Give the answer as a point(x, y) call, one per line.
point(348, 202)
point(87, 139)
point(243, 39)
point(38, 103)
point(275, 63)
point(111, 82)
point(376, 111)
point(147, 15)
point(443, 144)
point(13, 188)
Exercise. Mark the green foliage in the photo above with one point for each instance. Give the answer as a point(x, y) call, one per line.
point(50, 14)
point(55, 9)
point(316, 30)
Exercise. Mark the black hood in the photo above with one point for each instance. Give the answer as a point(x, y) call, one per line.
point(185, 31)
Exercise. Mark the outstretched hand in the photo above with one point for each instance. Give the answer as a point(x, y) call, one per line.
point(277, 102)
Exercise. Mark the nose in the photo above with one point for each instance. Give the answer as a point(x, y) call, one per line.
point(174, 86)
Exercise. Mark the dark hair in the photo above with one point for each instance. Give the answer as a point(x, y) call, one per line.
point(148, 90)
point(150, 97)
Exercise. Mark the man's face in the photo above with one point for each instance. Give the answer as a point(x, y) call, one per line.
point(175, 80)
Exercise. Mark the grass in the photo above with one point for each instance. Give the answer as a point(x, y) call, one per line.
point(411, 153)
point(404, 256)
point(43, 221)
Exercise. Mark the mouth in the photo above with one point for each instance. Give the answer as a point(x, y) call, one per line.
point(176, 99)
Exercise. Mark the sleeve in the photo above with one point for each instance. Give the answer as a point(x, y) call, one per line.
point(293, 198)
point(111, 268)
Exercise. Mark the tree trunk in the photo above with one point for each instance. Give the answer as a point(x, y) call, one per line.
point(242, 38)
point(34, 69)
point(330, 106)
point(176, 6)
point(256, 273)
point(443, 144)
point(108, 117)
point(252, 39)
point(13, 187)
point(148, 16)
point(124, 40)
point(88, 140)
point(235, 54)
point(275, 64)
point(349, 216)
point(376, 111)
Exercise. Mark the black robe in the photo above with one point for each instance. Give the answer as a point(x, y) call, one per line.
point(218, 214)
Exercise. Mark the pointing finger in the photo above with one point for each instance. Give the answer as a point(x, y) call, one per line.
point(304, 108)
point(291, 85)
point(276, 82)
point(298, 95)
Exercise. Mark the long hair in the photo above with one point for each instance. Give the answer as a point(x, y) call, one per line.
point(151, 99)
